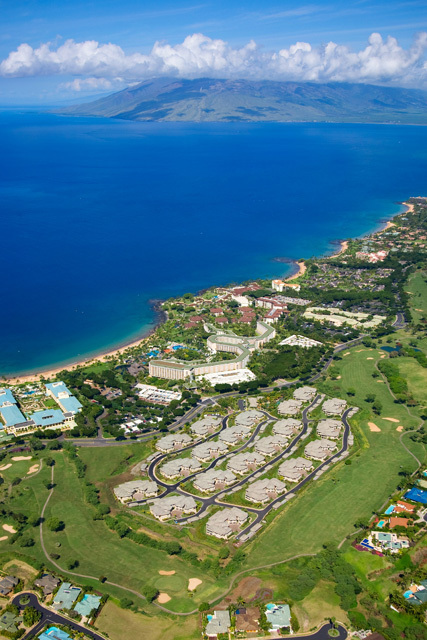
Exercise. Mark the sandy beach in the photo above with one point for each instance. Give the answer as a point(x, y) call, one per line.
point(343, 248)
point(301, 270)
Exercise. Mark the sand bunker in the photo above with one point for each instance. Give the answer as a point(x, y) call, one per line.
point(380, 380)
point(18, 458)
point(373, 426)
point(193, 583)
point(163, 598)
point(33, 469)
point(391, 419)
point(9, 528)
point(369, 358)
point(347, 354)
point(3, 538)
point(338, 377)
point(167, 573)
point(5, 466)
point(400, 428)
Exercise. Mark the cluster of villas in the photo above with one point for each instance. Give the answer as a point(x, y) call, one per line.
point(246, 621)
point(13, 421)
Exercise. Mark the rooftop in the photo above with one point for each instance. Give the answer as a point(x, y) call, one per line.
point(294, 468)
point(287, 427)
point(47, 417)
point(263, 490)
point(223, 523)
point(11, 415)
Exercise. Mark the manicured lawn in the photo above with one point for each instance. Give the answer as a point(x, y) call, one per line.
point(319, 606)
point(327, 510)
point(416, 377)
point(120, 623)
point(417, 287)
point(104, 462)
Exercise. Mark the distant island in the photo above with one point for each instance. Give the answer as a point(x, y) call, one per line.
point(215, 100)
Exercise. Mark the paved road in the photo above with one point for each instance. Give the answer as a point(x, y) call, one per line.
point(400, 322)
point(51, 617)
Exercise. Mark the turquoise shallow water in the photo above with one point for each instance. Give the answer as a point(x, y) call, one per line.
point(100, 217)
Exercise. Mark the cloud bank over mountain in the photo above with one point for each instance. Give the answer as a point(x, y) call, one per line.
point(104, 66)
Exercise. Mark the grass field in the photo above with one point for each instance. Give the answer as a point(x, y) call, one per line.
point(327, 510)
point(417, 288)
point(319, 606)
point(416, 377)
point(119, 623)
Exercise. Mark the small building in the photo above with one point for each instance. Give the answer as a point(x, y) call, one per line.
point(334, 406)
point(205, 426)
point(278, 616)
point(247, 620)
point(135, 490)
point(270, 445)
point(244, 462)
point(213, 480)
point(173, 442)
point(287, 427)
point(47, 583)
point(265, 490)
point(218, 623)
point(66, 596)
point(88, 604)
point(180, 467)
point(329, 428)
point(289, 407)
point(173, 507)
point(209, 450)
point(9, 622)
point(7, 585)
point(226, 522)
point(319, 449)
point(293, 469)
point(305, 394)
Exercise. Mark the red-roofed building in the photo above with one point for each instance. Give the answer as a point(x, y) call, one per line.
point(217, 311)
point(404, 507)
point(222, 320)
point(196, 319)
point(398, 522)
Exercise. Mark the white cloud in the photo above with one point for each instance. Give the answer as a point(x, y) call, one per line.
point(96, 65)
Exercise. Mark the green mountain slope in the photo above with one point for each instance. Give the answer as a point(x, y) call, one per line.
point(214, 100)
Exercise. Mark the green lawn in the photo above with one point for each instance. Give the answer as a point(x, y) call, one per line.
point(417, 288)
point(416, 377)
point(319, 606)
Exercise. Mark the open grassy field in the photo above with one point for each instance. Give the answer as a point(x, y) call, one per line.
point(319, 606)
point(416, 377)
point(417, 288)
point(119, 623)
point(327, 510)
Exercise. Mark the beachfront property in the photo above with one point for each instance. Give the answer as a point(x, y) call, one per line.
point(66, 596)
point(305, 394)
point(220, 340)
point(329, 428)
point(135, 490)
point(244, 462)
point(334, 406)
point(218, 623)
point(293, 469)
point(152, 394)
point(265, 490)
point(280, 285)
point(386, 541)
point(233, 435)
point(209, 450)
point(226, 522)
point(338, 317)
point(173, 507)
point(373, 257)
point(205, 426)
point(289, 407)
point(180, 467)
point(319, 449)
point(59, 392)
point(213, 480)
point(278, 616)
point(173, 442)
point(287, 427)
point(270, 445)
point(228, 377)
point(300, 341)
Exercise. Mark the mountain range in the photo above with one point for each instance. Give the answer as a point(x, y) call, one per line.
point(213, 100)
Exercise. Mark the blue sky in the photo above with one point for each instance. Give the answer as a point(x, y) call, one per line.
point(239, 39)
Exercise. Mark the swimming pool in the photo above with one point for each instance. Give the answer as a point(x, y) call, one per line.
point(407, 594)
point(270, 606)
point(390, 509)
point(381, 524)
point(209, 616)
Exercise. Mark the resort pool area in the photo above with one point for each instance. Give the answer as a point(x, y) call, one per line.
point(389, 509)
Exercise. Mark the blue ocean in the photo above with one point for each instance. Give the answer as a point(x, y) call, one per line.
point(100, 217)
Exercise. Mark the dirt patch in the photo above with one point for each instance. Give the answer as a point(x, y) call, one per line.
point(420, 557)
point(5, 466)
point(373, 426)
point(193, 583)
point(3, 538)
point(338, 377)
point(391, 419)
point(400, 428)
point(245, 589)
point(33, 469)
point(19, 458)
point(163, 597)
point(167, 573)
point(382, 381)
point(9, 528)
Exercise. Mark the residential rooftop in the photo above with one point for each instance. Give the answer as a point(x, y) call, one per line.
point(287, 427)
point(293, 469)
point(225, 522)
point(264, 490)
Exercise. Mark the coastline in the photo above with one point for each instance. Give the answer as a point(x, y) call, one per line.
point(161, 316)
